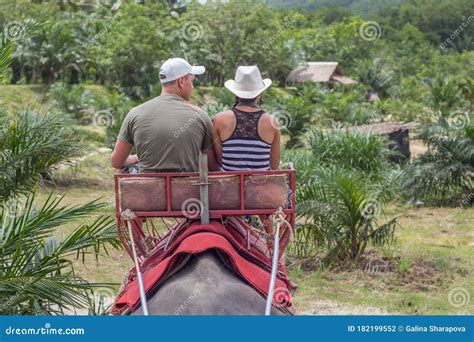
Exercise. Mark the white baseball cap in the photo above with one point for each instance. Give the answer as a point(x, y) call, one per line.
point(175, 68)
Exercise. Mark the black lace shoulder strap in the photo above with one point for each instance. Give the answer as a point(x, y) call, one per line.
point(246, 124)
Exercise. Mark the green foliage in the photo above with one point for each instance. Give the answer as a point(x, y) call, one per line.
point(344, 182)
point(375, 75)
point(77, 100)
point(37, 275)
point(119, 106)
point(6, 51)
point(339, 209)
point(30, 146)
point(445, 170)
point(367, 153)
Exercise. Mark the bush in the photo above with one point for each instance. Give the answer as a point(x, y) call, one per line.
point(344, 182)
point(77, 101)
point(119, 106)
point(445, 170)
point(351, 150)
point(30, 146)
point(339, 210)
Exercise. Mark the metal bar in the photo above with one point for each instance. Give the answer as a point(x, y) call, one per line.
point(204, 188)
point(137, 267)
point(213, 213)
point(242, 192)
point(168, 193)
point(271, 286)
point(196, 174)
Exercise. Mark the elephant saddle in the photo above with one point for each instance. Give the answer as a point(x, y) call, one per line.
point(248, 256)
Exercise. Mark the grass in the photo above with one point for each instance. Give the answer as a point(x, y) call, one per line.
point(432, 257)
point(18, 97)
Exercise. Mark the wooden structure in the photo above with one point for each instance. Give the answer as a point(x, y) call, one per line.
point(320, 72)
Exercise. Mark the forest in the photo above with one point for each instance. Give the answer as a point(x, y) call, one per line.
point(71, 70)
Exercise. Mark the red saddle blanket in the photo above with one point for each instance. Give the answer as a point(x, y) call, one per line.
point(247, 257)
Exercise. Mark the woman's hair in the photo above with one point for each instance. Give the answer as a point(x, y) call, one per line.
point(255, 100)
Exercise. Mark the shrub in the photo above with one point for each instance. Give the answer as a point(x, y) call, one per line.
point(445, 170)
point(77, 101)
point(351, 150)
point(339, 210)
point(119, 106)
point(30, 146)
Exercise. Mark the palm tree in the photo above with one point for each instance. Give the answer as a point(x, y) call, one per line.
point(37, 275)
point(341, 210)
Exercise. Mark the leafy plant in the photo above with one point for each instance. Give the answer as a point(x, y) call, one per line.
point(78, 101)
point(37, 274)
point(444, 170)
point(352, 150)
point(120, 105)
point(339, 211)
point(30, 146)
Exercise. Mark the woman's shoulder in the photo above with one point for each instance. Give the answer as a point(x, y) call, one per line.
point(223, 116)
point(269, 121)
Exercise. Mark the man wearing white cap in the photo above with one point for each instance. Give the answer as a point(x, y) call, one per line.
point(168, 132)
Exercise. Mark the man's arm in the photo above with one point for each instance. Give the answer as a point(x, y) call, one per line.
point(121, 155)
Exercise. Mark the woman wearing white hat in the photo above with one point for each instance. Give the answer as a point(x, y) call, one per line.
point(246, 136)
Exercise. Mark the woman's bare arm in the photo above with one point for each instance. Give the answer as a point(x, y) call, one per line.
point(275, 151)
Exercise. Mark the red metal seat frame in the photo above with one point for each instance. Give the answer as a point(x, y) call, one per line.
point(290, 213)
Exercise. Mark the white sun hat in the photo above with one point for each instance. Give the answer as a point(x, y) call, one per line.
point(248, 82)
point(175, 68)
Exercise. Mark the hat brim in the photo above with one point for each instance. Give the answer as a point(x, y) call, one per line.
point(247, 94)
point(197, 70)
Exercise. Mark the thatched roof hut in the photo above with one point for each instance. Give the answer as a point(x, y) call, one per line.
point(319, 72)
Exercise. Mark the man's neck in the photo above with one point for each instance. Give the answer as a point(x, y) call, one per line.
point(170, 91)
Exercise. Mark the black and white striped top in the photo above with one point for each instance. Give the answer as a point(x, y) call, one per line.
point(245, 150)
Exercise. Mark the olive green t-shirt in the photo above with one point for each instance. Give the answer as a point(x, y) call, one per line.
point(168, 134)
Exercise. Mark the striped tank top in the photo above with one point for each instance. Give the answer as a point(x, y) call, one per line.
point(245, 150)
